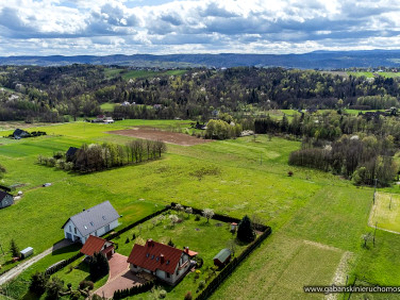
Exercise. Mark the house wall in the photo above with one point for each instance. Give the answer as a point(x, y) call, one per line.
point(69, 232)
point(7, 201)
point(180, 272)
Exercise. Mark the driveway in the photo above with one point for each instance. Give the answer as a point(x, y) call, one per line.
point(27, 263)
point(119, 278)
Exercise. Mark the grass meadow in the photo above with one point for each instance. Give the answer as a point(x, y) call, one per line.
point(316, 217)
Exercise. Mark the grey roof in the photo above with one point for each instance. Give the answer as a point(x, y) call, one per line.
point(3, 195)
point(223, 255)
point(94, 218)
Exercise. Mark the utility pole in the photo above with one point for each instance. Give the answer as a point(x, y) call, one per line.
point(373, 199)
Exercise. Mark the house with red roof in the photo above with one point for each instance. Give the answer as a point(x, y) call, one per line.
point(96, 244)
point(165, 262)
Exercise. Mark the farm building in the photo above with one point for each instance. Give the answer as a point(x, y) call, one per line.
point(71, 152)
point(6, 199)
point(222, 258)
point(96, 244)
point(96, 221)
point(162, 261)
point(19, 133)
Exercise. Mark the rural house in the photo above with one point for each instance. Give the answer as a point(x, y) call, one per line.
point(96, 221)
point(222, 258)
point(19, 133)
point(6, 199)
point(165, 262)
point(70, 154)
point(96, 244)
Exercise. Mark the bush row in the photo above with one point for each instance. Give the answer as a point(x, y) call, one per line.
point(120, 294)
point(59, 266)
point(213, 285)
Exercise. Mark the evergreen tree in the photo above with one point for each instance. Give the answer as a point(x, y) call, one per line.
point(38, 283)
point(245, 232)
point(14, 249)
point(98, 266)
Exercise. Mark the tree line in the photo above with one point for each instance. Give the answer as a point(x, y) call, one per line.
point(52, 94)
point(98, 157)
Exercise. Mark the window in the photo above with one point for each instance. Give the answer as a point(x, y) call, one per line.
point(168, 276)
point(70, 228)
point(85, 227)
point(91, 223)
point(168, 262)
point(152, 257)
point(135, 266)
point(147, 254)
point(157, 259)
point(104, 217)
point(75, 230)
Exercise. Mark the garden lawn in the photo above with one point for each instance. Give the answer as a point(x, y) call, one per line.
point(206, 238)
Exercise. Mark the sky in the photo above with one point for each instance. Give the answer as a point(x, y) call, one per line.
point(105, 27)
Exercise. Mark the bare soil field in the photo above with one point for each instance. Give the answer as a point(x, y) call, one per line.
point(159, 135)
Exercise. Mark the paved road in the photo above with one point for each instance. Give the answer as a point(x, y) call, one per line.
point(27, 263)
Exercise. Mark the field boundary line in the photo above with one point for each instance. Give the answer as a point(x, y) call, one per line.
point(374, 205)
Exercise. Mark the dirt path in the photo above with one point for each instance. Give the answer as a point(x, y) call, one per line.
point(26, 264)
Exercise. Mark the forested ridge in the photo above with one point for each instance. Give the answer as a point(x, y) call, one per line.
point(49, 93)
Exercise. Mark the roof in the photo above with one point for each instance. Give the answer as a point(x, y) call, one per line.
point(18, 132)
point(223, 255)
point(3, 195)
point(71, 151)
point(149, 256)
point(94, 218)
point(93, 244)
point(26, 250)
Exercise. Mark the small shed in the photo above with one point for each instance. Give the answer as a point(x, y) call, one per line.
point(6, 199)
point(233, 226)
point(26, 252)
point(222, 258)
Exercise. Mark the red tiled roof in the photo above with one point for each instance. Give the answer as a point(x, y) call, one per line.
point(92, 245)
point(148, 257)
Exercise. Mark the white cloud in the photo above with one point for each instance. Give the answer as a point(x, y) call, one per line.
point(162, 26)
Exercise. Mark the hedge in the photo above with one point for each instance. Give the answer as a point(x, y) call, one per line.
point(120, 294)
point(58, 267)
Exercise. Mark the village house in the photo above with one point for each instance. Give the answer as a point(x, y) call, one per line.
point(162, 261)
point(70, 154)
point(19, 133)
point(96, 244)
point(96, 221)
point(6, 199)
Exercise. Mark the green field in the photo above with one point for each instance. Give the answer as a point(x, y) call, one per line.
point(107, 107)
point(372, 75)
point(316, 217)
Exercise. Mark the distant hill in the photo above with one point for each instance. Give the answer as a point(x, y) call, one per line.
point(312, 60)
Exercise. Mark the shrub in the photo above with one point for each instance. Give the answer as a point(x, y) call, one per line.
point(38, 283)
point(188, 296)
point(75, 295)
point(162, 294)
point(171, 243)
point(197, 218)
point(202, 284)
point(54, 287)
point(127, 240)
point(84, 284)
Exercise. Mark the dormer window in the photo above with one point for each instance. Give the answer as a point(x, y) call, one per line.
point(147, 255)
point(91, 223)
point(157, 259)
point(85, 227)
point(152, 257)
point(104, 217)
point(168, 262)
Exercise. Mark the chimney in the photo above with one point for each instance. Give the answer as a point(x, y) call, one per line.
point(187, 249)
point(162, 258)
point(150, 242)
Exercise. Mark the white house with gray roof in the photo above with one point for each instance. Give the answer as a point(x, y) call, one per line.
point(96, 221)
